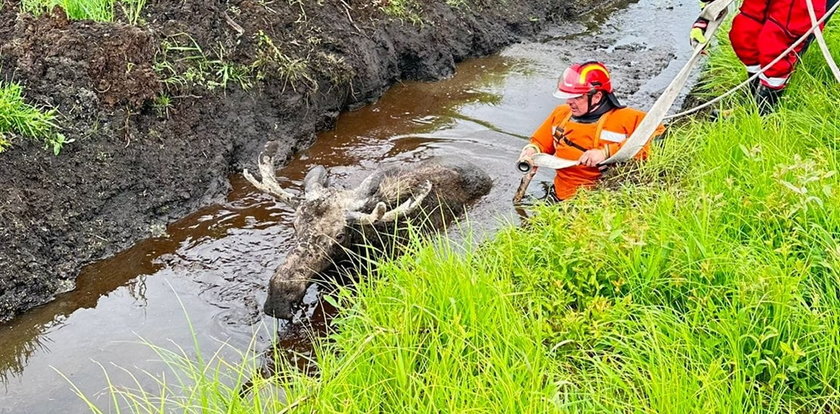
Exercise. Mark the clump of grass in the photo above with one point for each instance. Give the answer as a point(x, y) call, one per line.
point(293, 71)
point(182, 62)
point(411, 10)
point(97, 10)
point(406, 10)
point(18, 117)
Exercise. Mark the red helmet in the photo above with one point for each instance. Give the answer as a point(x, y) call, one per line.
point(583, 78)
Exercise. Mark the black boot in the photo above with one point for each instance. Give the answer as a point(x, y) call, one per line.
point(766, 99)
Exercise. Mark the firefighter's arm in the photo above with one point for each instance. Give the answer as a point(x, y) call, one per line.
point(541, 141)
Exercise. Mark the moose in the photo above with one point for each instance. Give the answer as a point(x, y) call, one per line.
point(331, 223)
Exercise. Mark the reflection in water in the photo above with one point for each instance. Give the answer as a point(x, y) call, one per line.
point(216, 262)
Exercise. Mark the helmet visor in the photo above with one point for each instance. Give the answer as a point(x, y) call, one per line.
point(566, 95)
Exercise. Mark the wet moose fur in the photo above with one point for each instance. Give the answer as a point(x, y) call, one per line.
point(332, 223)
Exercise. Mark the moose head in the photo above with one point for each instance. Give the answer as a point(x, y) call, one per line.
point(330, 222)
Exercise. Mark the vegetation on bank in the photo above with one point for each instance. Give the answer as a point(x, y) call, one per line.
point(97, 10)
point(183, 65)
point(710, 284)
point(106, 10)
point(411, 10)
point(19, 118)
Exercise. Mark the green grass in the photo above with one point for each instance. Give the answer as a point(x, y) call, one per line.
point(97, 10)
point(412, 10)
point(19, 118)
point(711, 287)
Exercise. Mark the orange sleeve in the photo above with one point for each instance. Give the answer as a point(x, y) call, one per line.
point(633, 122)
point(542, 137)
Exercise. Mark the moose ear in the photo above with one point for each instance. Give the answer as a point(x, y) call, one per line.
point(316, 179)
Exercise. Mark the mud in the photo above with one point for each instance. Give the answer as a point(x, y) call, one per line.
point(137, 165)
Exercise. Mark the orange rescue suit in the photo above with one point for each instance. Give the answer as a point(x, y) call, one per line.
point(561, 136)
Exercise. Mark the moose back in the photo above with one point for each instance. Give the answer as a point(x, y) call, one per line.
point(331, 223)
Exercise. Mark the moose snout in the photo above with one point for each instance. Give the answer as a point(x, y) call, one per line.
point(283, 297)
point(278, 308)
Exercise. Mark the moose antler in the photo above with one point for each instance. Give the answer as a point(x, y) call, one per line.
point(269, 182)
point(378, 214)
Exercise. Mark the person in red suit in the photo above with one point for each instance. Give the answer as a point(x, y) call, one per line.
point(761, 31)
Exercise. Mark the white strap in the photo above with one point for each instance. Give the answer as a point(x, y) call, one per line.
point(550, 161)
point(637, 140)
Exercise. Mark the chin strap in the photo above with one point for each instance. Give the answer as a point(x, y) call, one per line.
point(589, 104)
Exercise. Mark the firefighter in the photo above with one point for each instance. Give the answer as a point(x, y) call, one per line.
point(761, 31)
point(590, 127)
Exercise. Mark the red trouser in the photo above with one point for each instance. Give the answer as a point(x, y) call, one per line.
point(765, 28)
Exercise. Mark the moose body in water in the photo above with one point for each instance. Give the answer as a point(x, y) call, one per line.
point(330, 223)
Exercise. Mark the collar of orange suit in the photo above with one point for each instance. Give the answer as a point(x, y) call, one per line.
point(609, 103)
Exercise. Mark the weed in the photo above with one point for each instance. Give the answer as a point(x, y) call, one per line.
point(336, 69)
point(294, 72)
point(181, 62)
point(162, 104)
point(406, 10)
point(132, 10)
point(98, 10)
point(18, 117)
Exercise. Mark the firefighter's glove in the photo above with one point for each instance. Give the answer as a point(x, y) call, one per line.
point(698, 32)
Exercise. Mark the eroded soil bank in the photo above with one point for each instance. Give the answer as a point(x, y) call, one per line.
point(163, 111)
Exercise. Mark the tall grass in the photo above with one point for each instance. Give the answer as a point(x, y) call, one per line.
point(18, 117)
point(441, 332)
point(717, 292)
point(97, 10)
point(712, 287)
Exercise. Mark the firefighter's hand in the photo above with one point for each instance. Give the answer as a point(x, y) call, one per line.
point(525, 163)
point(593, 157)
point(526, 154)
point(698, 32)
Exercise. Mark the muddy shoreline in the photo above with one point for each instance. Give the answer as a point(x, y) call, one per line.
point(137, 165)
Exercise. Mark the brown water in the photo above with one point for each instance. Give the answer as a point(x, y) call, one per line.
point(214, 264)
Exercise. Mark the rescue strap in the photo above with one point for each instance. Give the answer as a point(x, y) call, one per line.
point(568, 142)
point(715, 12)
point(821, 40)
point(804, 37)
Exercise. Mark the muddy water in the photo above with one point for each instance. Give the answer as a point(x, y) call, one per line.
point(213, 265)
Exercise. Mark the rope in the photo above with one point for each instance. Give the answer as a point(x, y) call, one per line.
point(765, 67)
point(821, 41)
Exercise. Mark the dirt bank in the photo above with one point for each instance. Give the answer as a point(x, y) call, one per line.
point(163, 111)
